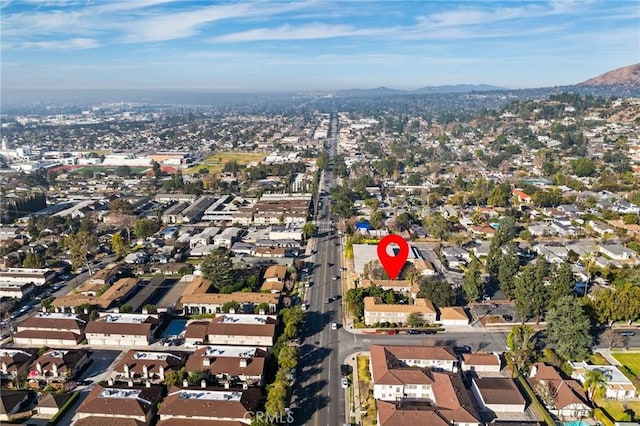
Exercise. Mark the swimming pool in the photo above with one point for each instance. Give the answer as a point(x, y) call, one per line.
point(175, 328)
point(576, 423)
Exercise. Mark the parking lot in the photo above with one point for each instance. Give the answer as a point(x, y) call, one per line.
point(495, 312)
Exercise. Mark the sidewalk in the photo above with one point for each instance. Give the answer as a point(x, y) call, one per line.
point(352, 408)
point(606, 354)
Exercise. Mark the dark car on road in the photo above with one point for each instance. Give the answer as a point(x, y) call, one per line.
point(462, 349)
point(507, 317)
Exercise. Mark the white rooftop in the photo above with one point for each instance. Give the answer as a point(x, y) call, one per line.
point(156, 356)
point(12, 352)
point(230, 351)
point(120, 393)
point(244, 319)
point(210, 395)
point(58, 315)
point(124, 318)
point(612, 374)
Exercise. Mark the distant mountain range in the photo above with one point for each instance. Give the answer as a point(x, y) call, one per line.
point(457, 88)
point(625, 76)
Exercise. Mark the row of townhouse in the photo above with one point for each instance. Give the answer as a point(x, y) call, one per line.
point(418, 383)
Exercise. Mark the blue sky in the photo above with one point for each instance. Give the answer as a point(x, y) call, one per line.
point(312, 45)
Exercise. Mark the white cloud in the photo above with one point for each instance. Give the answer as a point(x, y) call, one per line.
point(70, 44)
point(170, 26)
point(289, 32)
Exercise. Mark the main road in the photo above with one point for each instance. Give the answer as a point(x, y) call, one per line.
point(318, 398)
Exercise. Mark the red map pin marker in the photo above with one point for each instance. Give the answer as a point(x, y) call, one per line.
point(393, 264)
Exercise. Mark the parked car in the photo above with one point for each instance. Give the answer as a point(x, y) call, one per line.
point(462, 349)
point(494, 305)
point(334, 326)
point(507, 317)
point(486, 297)
point(328, 300)
point(344, 383)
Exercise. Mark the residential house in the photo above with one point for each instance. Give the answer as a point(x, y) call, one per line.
point(245, 330)
point(16, 290)
point(553, 254)
point(617, 385)
point(404, 287)
point(143, 366)
point(425, 268)
point(498, 394)
point(453, 315)
point(483, 230)
point(36, 276)
point(601, 228)
point(521, 196)
point(227, 237)
point(455, 256)
point(274, 278)
point(201, 251)
point(375, 311)
point(51, 329)
point(288, 232)
point(234, 365)
point(484, 363)
point(14, 405)
point(14, 362)
point(51, 403)
point(196, 300)
point(58, 365)
point(455, 410)
point(242, 248)
point(112, 404)
point(212, 405)
point(416, 382)
point(203, 238)
point(569, 399)
point(271, 252)
point(115, 295)
point(439, 358)
point(617, 251)
point(121, 330)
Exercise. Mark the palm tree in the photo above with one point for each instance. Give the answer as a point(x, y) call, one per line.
point(595, 383)
point(521, 345)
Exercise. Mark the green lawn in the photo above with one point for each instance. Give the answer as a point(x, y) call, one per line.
point(597, 359)
point(364, 386)
point(109, 170)
point(616, 408)
point(215, 163)
point(630, 360)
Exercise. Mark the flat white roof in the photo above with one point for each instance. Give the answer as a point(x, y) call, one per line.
point(120, 393)
point(156, 356)
point(244, 319)
point(124, 318)
point(58, 315)
point(210, 395)
point(230, 351)
point(12, 352)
